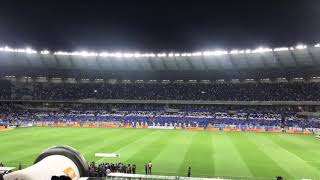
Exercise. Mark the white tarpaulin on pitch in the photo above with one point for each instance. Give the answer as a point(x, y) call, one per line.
point(108, 155)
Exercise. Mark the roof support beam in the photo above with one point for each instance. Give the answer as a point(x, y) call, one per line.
point(204, 63)
point(278, 59)
point(263, 60)
point(314, 61)
point(177, 64)
point(294, 58)
point(190, 64)
point(247, 61)
point(232, 61)
point(140, 65)
point(164, 64)
point(153, 67)
point(98, 62)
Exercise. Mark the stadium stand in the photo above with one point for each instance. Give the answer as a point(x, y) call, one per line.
point(298, 91)
point(174, 117)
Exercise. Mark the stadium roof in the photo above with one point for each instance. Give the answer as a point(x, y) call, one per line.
point(266, 59)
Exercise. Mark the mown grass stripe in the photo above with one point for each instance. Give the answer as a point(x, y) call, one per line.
point(199, 156)
point(259, 163)
point(169, 160)
point(152, 150)
point(227, 155)
point(292, 164)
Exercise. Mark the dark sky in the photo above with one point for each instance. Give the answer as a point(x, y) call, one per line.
point(164, 25)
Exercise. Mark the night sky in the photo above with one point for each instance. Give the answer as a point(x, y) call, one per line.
point(157, 26)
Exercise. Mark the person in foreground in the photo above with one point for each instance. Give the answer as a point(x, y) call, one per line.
point(60, 178)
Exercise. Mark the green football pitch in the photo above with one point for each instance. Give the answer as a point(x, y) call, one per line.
point(210, 154)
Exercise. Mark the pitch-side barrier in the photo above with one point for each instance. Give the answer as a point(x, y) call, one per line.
point(92, 125)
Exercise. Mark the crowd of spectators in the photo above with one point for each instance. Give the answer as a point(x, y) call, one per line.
point(102, 170)
point(298, 91)
point(184, 117)
point(5, 89)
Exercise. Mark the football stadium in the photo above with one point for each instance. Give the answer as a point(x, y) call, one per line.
point(250, 128)
point(83, 100)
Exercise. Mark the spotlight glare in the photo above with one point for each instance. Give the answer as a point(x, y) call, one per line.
point(281, 49)
point(234, 52)
point(197, 54)
point(261, 50)
point(162, 55)
point(45, 52)
point(301, 46)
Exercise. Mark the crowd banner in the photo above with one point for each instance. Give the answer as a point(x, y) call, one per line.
point(255, 130)
point(161, 127)
point(194, 128)
point(232, 129)
point(212, 129)
point(275, 131)
point(141, 127)
point(110, 125)
point(307, 132)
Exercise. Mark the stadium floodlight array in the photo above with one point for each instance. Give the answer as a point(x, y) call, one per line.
point(151, 55)
point(301, 46)
point(45, 52)
point(18, 50)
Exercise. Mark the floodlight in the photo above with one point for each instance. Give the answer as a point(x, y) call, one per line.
point(301, 46)
point(215, 53)
point(197, 54)
point(30, 51)
point(261, 50)
point(234, 52)
point(118, 54)
point(136, 55)
point(8, 49)
point(162, 55)
point(45, 52)
point(62, 53)
point(248, 51)
point(104, 54)
point(20, 50)
point(128, 55)
point(207, 53)
point(281, 49)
